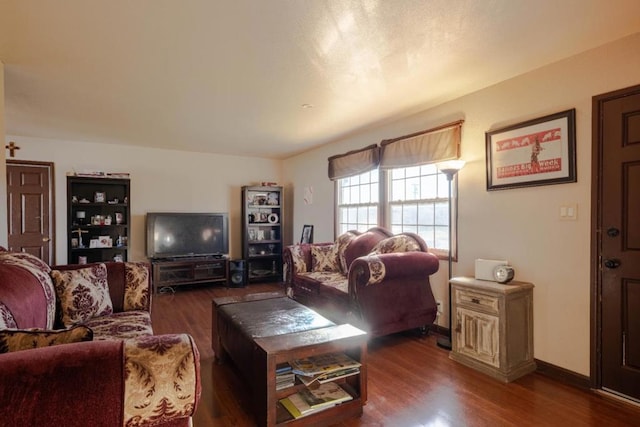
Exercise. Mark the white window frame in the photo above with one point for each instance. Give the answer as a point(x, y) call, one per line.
point(385, 207)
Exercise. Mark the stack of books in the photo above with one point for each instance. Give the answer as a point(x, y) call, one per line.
point(284, 376)
point(324, 368)
point(311, 400)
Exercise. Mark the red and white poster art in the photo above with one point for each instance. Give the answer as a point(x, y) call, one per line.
point(537, 152)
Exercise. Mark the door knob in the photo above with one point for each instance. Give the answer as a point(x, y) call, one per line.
point(612, 263)
point(613, 232)
point(46, 239)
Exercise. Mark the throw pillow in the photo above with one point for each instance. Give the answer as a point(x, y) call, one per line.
point(25, 339)
point(83, 293)
point(398, 243)
point(341, 244)
point(324, 258)
point(6, 318)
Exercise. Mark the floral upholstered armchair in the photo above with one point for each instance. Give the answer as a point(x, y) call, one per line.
point(77, 348)
point(375, 280)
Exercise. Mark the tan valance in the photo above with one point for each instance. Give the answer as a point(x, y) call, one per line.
point(354, 162)
point(430, 146)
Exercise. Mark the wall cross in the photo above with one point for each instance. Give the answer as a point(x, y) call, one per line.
point(12, 147)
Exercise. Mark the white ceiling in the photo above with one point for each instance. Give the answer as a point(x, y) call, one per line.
point(231, 76)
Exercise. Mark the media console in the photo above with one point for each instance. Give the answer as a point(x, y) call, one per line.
point(172, 272)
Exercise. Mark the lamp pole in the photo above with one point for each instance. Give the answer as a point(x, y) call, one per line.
point(450, 169)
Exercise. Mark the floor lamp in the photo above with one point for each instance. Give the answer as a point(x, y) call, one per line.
point(450, 168)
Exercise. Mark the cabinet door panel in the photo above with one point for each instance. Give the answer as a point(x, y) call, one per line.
point(478, 336)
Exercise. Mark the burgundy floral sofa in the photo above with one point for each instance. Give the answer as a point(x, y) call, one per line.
point(375, 280)
point(77, 348)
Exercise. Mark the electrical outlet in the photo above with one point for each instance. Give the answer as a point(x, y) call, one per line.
point(439, 304)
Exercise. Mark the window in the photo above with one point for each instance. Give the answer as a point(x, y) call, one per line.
point(414, 199)
point(358, 202)
point(418, 202)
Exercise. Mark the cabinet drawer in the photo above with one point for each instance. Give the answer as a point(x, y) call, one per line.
point(474, 300)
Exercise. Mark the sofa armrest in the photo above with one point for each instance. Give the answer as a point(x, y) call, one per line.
point(162, 380)
point(63, 385)
point(149, 380)
point(374, 269)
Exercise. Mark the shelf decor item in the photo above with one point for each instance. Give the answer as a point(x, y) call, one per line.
point(307, 234)
point(536, 152)
point(100, 197)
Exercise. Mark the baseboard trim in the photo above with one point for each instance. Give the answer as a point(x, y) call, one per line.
point(563, 375)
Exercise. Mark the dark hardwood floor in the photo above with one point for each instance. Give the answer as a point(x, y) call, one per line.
point(412, 382)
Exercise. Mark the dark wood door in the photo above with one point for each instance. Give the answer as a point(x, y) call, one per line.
point(30, 208)
point(617, 255)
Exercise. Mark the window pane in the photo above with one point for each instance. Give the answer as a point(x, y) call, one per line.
point(412, 191)
point(428, 187)
point(396, 214)
point(373, 216)
point(345, 193)
point(410, 214)
point(375, 192)
point(426, 213)
point(442, 214)
point(397, 190)
point(443, 187)
point(442, 238)
point(412, 171)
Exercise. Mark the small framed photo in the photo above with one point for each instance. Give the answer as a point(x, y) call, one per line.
point(252, 234)
point(74, 242)
point(307, 234)
point(100, 197)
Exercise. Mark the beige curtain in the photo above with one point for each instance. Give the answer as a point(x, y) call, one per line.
point(354, 162)
point(430, 146)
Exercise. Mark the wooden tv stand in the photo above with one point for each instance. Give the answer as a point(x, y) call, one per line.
point(188, 271)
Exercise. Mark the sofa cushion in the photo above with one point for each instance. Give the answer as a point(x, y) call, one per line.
point(324, 258)
point(397, 243)
point(6, 318)
point(333, 280)
point(299, 263)
point(83, 293)
point(26, 339)
point(341, 245)
point(136, 292)
point(122, 325)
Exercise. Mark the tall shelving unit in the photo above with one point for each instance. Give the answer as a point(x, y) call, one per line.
point(98, 219)
point(262, 232)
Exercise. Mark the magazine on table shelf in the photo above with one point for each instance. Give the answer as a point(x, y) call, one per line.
point(315, 399)
point(324, 368)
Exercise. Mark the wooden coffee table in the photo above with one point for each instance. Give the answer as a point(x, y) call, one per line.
point(260, 331)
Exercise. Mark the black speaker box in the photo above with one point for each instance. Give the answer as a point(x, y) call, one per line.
point(237, 273)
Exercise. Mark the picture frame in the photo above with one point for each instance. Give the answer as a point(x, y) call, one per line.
point(100, 197)
point(537, 152)
point(307, 234)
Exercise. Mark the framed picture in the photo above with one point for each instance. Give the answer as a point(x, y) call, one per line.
point(99, 197)
point(537, 152)
point(307, 234)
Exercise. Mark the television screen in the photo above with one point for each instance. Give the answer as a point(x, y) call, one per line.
point(172, 235)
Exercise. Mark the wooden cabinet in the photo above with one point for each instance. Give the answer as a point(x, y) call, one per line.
point(493, 327)
point(98, 219)
point(171, 273)
point(262, 213)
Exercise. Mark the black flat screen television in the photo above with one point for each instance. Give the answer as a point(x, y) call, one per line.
point(174, 235)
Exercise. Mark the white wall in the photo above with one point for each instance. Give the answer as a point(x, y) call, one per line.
point(521, 225)
point(161, 180)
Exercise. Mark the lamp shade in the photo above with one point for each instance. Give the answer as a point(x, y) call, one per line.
point(450, 167)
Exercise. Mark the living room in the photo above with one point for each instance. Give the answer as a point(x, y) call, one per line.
point(521, 225)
